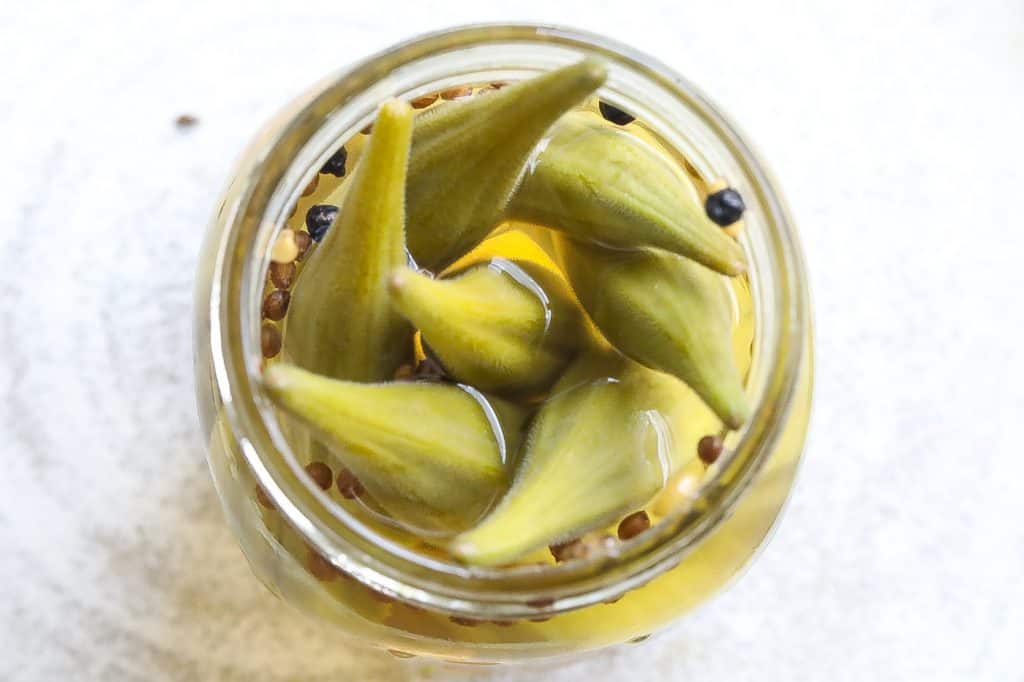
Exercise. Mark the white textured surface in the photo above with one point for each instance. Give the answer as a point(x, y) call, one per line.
point(895, 130)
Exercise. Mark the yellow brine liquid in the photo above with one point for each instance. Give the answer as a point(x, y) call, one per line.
point(290, 567)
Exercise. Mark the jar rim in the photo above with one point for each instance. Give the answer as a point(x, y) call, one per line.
point(358, 550)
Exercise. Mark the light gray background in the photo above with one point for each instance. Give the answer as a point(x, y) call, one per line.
point(894, 129)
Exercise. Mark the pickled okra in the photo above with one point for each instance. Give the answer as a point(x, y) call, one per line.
point(468, 156)
point(501, 326)
point(598, 183)
point(432, 455)
point(664, 311)
point(518, 322)
point(599, 447)
point(341, 323)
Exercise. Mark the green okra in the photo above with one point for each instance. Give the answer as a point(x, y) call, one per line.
point(504, 326)
point(600, 447)
point(467, 157)
point(598, 183)
point(434, 456)
point(664, 311)
point(340, 321)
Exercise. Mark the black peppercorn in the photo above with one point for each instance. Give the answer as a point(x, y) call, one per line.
point(318, 218)
point(724, 207)
point(614, 114)
point(336, 164)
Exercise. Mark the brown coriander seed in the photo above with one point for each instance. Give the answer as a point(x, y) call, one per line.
point(348, 485)
point(311, 187)
point(367, 129)
point(263, 498)
point(270, 340)
point(321, 474)
point(633, 525)
point(572, 549)
point(302, 243)
point(709, 449)
point(282, 274)
point(456, 92)
point(275, 305)
point(424, 101)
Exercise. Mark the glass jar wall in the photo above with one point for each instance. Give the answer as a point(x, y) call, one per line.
point(317, 555)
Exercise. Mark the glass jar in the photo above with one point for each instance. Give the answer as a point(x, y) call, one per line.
point(314, 555)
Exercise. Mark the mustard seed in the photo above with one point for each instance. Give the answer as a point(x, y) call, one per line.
point(282, 274)
point(302, 243)
point(457, 92)
point(275, 305)
point(285, 248)
point(270, 340)
point(634, 524)
point(424, 101)
point(348, 485)
point(709, 449)
point(321, 474)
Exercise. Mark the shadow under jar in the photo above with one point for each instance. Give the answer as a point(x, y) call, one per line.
point(303, 536)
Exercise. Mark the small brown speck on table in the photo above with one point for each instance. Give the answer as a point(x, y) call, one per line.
point(184, 121)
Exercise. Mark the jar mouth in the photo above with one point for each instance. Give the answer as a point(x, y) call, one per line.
point(342, 105)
